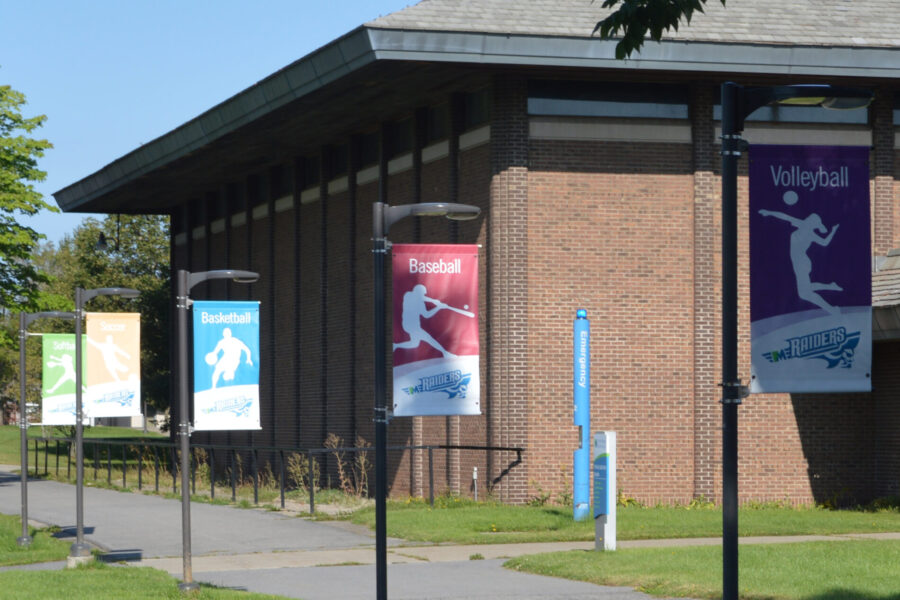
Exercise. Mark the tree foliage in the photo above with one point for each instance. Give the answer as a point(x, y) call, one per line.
point(636, 18)
point(136, 256)
point(19, 279)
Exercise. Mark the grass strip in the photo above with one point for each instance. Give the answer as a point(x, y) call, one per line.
point(465, 522)
point(10, 440)
point(104, 582)
point(850, 570)
point(43, 548)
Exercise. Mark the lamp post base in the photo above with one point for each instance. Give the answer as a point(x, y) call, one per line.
point(23, 541)
point(188, 588)
point(79, 554)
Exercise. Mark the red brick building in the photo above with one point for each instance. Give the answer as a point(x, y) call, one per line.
point(599, 185)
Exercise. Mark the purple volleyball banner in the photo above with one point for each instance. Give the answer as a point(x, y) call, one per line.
point(810, 269)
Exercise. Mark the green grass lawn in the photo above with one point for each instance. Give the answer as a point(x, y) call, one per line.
point(10, 442)
point(465, 522)
point(105, 582)
point(96, 582)
point(44, 547)
point(105, 470)
point(857, 570)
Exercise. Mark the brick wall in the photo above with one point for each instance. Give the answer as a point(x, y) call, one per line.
point(707, 301)
point(885, 444)
point(652, 293)
point(309, 299)
point(610, 231)
point(882, 170)
point(474, 189)
point(508, 264)
point(895, 201)
point(261, 239)
point(284, 430)
point(630, 232)
point(365, 390)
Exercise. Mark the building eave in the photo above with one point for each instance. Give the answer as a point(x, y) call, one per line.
point(298, 79)
point(671, 55)
point(366, 45)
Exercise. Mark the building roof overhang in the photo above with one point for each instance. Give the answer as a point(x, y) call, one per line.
point(370, 70)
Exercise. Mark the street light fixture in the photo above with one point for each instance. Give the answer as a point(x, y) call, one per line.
point(187, 280)
point(383, 216)
point(80, 552)
point(738, 102)
point(25, 319)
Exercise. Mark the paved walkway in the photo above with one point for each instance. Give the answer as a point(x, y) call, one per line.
point(275, 553)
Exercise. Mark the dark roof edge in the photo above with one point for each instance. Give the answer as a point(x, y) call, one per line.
point(668, 55)
point(312, 72)
point(366, 44)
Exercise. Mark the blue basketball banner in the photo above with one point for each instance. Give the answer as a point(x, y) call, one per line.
point(226, 365)
point(810, 269)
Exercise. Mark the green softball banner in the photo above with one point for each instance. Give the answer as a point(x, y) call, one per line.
point(58, 383)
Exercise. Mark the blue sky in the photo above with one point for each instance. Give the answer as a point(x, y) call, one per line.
point(113, 74)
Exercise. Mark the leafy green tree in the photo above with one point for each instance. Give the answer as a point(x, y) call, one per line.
point(9, 364)
point(136, 256)
point(635, 18)
point(19, 279)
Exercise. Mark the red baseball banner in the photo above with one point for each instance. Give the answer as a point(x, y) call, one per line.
point(435, 330)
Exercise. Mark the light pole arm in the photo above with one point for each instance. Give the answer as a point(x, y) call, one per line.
point(111, 291)
point(384, 215)
point(236, 275)
point(55, 314)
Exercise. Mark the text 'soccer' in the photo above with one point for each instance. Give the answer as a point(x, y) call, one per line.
point(113, 364)
point(810, 269)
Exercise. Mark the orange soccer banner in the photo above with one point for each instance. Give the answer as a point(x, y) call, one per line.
point(113, 364)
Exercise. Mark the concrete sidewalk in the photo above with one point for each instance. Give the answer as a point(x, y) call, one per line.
point(418, 554)
point(275, 553)
point(134, 526)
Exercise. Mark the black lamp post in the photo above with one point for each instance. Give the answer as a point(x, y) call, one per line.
point(738, 102)
point(187, 280)
point(80, 551)
point(25, 319)
point(383, 216)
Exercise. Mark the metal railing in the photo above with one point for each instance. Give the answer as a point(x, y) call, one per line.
point(163, 455)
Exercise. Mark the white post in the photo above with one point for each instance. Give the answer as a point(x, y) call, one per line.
point(605, 495)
